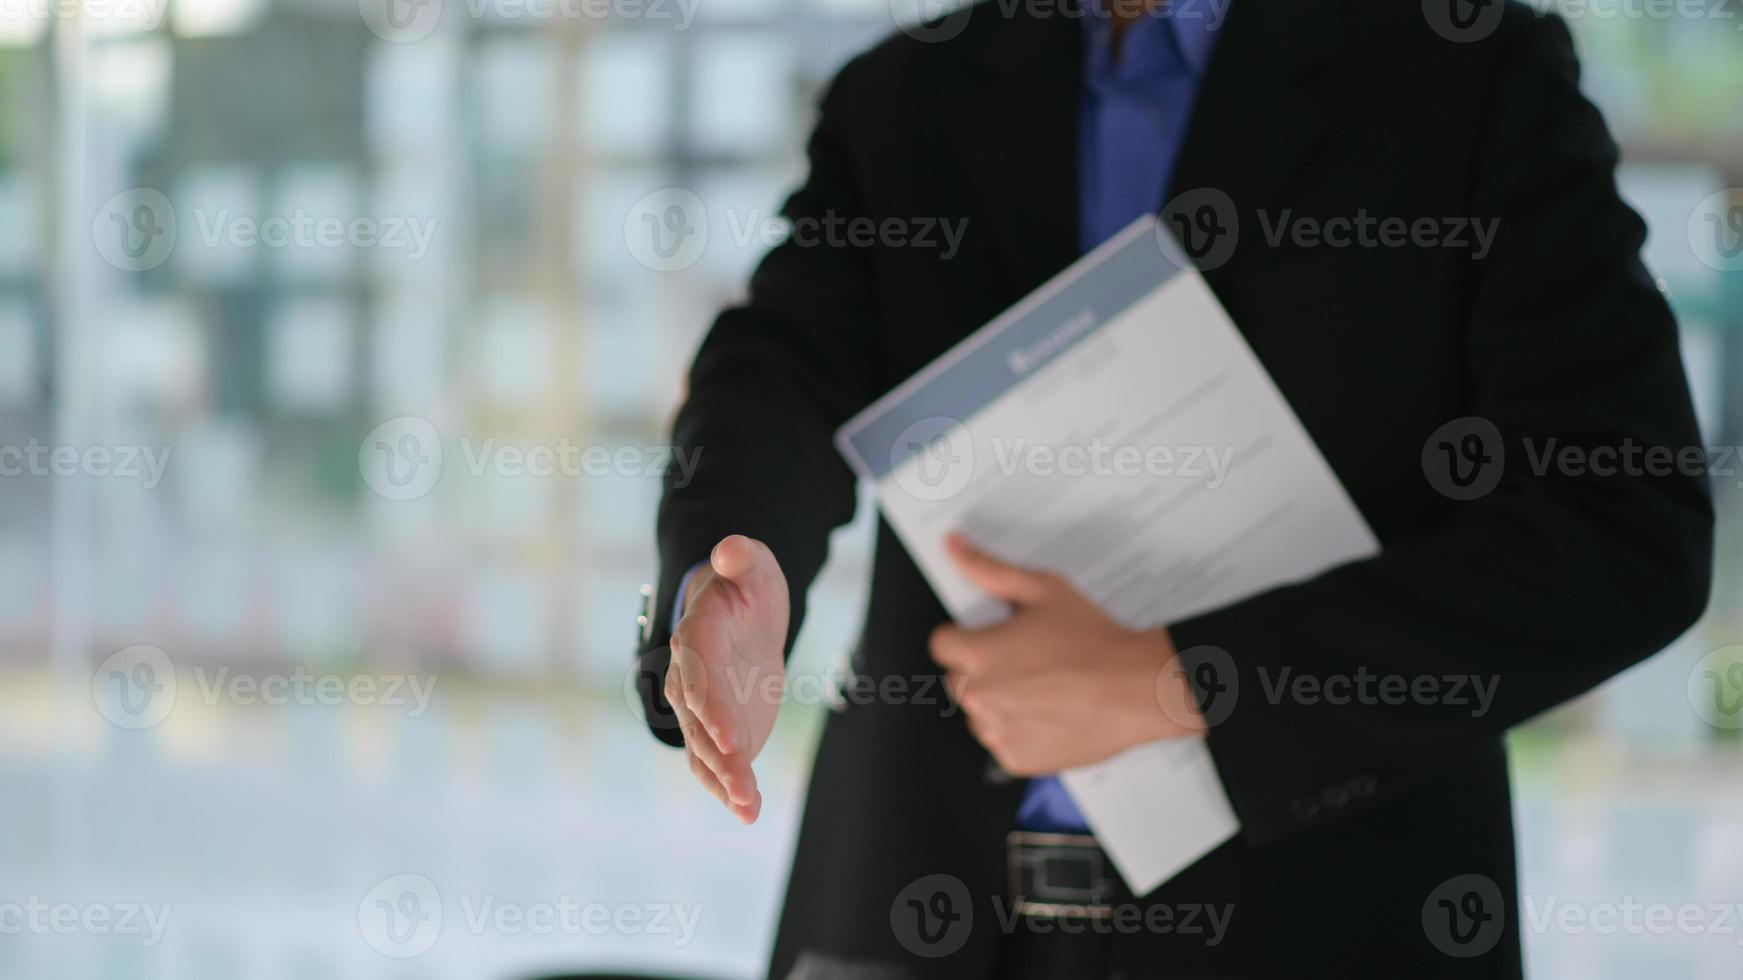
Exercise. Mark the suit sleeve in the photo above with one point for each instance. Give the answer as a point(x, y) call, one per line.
point(1544, 587)
point(773, 379)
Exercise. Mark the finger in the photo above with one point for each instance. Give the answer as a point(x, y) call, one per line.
point(991, 738)
point(700, 697)
point(712, 742)
point(745, 812)
point(951, 648)
point(732, 774)
point(1012, 583)
point(745, 562)
point(709, 781)
point(733, 771)
point(956, 686)
point(694, 732)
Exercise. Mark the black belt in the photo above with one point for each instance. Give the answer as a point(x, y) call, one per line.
point(1060, 876)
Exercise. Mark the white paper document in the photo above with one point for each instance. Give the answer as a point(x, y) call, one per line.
point(1114, 427)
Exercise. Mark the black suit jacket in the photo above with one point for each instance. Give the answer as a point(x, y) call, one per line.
point(1354, 815)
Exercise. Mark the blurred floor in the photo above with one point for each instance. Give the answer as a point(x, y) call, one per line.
point(271, 836)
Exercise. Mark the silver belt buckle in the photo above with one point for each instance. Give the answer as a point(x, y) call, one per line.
point(1058, 876)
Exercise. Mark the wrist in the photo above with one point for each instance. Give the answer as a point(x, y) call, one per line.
point(1157, 697)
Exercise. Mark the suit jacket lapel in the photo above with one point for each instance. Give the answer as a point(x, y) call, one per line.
point(1018, 104)
point(1017, 138)
point(1257, 120)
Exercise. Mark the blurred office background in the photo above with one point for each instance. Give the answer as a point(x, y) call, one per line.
point(333, 257)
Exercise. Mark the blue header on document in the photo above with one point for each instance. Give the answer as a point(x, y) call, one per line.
point(1042, 327)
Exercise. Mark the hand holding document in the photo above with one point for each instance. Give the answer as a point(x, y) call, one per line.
point(1114, 427)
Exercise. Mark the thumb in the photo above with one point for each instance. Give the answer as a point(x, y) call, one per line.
point(1012, 583)
point(745, 562)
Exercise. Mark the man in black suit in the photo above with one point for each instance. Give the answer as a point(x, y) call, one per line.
point(1410, 212)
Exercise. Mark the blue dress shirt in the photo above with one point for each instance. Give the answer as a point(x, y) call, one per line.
point(1132, 120)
